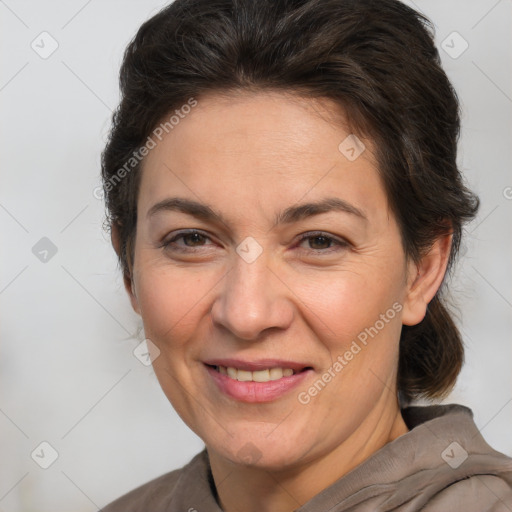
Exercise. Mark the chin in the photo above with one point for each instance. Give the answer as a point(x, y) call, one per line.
point(260, 452)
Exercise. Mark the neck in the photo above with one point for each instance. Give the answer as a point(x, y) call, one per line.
point(257, 489)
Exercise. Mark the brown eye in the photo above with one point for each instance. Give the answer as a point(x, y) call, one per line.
point(187, 241)
point(322, 243)
point(195, 239)
point(319, 242)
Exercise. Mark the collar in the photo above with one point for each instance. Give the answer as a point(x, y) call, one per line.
point(412, 467)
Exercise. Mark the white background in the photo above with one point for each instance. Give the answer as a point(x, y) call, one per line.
point(67, 372)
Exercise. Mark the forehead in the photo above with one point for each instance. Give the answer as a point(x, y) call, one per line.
point(261, 148)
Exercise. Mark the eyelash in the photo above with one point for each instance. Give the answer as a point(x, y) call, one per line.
point(340, 243)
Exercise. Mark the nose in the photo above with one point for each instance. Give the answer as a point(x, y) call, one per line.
point(252, 300)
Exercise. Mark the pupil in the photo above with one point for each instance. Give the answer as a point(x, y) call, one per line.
point(323, 239)
point(194, 237)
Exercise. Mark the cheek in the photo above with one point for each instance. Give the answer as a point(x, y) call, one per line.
point(171, 300)
point(356, 314)
point(358, 321)
point(348, 302)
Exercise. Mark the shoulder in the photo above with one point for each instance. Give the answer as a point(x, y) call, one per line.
point(492, 493)
point(154, 494)
point(157, 495)
point(465, 473)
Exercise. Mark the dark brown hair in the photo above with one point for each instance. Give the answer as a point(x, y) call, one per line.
point(375, 58)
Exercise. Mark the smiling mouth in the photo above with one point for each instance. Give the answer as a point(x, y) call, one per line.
point(264, 375)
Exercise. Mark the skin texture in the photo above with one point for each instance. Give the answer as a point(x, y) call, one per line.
point(249, 156)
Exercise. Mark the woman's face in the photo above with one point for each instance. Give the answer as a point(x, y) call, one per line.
point(231, 269)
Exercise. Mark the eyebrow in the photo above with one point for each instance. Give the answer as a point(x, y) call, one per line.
point(289, 215)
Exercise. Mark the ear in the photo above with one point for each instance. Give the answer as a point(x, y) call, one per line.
point(424, 280)
point(127, 278)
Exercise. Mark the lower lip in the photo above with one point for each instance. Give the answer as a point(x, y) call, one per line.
point(256, 392)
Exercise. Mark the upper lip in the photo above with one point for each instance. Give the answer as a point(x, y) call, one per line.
point(260, 364)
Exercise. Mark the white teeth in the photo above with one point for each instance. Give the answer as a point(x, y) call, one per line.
point(260, 376)
point(276, 373)
point(256, 376)
point(244, 375)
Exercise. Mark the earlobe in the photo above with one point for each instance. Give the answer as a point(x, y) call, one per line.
point(425, 280)
point(128, 281)
point(130, 289)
